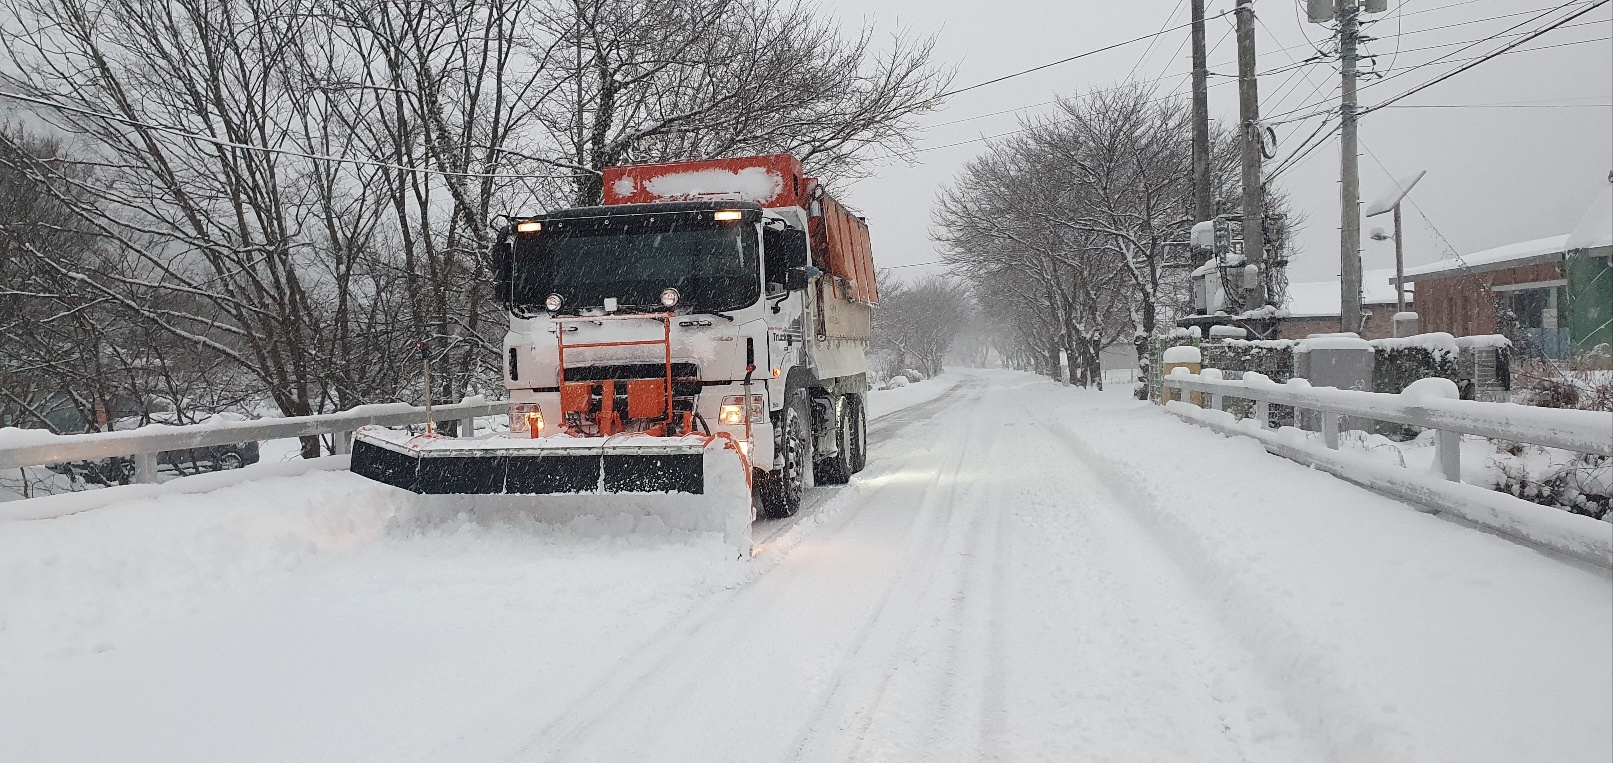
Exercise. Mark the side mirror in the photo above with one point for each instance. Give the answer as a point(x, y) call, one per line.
point(500, 262)
point(784, 250)
point(796, 279)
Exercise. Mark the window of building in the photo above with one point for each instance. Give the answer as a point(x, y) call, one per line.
point(1542, 332)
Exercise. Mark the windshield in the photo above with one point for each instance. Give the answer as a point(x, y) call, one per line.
point(713, 268)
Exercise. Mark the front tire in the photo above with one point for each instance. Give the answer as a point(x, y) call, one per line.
point(780, 490)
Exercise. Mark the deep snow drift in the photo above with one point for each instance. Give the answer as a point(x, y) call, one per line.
point(1024, 572)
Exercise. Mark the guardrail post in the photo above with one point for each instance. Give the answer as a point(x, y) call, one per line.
point(145, 468)
point(1330, 429)
point(467, 426)
point(1448, 454)
point(341, 443)
point(1216, 402)
point(1263, 413)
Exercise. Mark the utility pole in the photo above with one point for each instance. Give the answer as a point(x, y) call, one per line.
point(1203, 202)
point(1254, 238)
point(1349, 20)
point(1400, 265)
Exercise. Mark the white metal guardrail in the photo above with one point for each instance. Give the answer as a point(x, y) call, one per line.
point(143, 444)
point(1580, 431)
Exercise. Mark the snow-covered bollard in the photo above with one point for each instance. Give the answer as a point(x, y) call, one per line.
point(1447, 445)
point(1186, 357)
point(1216, 398)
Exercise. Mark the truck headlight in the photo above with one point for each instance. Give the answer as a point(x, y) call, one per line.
point(669, 298)
point(554, 302)
point(527, 419)
point(732, 412)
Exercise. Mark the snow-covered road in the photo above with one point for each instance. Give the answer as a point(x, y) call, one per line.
point(1024, 572)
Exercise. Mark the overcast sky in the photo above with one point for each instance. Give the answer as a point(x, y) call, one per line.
point(1495, 175)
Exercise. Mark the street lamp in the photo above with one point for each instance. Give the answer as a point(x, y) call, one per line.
point(1389, 201)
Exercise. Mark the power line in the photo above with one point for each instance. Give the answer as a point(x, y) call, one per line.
point(1294, 65)
point(1306, 147)
point(1538, 16)
point(1482, 59)
point(222, 143)
point(1075, 57)
point(1150, 48)
point(1505, 105)
point(1451, 61)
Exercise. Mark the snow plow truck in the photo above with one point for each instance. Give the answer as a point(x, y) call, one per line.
point(701, 334)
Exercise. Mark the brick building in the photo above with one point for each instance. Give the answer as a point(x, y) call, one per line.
point(1313, 306)
point(1552, 300)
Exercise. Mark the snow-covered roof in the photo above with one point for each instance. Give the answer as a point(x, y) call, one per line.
point(1535, 252)
point(1595, 230)
point(1316, 299)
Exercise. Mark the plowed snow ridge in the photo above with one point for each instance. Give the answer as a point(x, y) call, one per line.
point(1024, 572)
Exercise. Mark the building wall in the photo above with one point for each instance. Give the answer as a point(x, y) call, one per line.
point(1590, 300)
point(1464, 305)
point(1379, 325)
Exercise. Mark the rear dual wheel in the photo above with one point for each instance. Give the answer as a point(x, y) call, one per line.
point(838, 468)
point(859, 438)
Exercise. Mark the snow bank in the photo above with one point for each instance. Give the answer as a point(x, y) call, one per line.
point(321, 617)
point(1580, 537)
point(1392, 634)
point(884, 402)
point(64, 504)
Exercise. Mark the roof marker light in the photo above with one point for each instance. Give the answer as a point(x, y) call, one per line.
point(530, 226)
point(727, 214)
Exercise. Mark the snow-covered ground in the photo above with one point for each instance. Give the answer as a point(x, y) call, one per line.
point(882, 402)
point(1024, 572)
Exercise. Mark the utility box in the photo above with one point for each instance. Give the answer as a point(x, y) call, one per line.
point(1405, 324)
point(1188, 358)
point(1344, 361)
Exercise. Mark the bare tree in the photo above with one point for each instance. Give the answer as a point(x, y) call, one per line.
point(917, 322)
point(298, 193)
point(664, 80)
point(1085, 216)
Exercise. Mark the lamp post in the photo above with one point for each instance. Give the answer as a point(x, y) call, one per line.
point(1389, 201)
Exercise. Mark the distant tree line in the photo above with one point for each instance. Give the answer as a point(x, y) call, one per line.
point(231, 201)
point(917, 322)
point(1072, 233)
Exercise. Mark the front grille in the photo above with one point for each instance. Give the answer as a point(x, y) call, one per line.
point(685, 376)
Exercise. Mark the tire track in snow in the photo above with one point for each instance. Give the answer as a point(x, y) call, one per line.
point(1228, 672)
point(664, 650)
point(887, 428)
point(871, 663)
